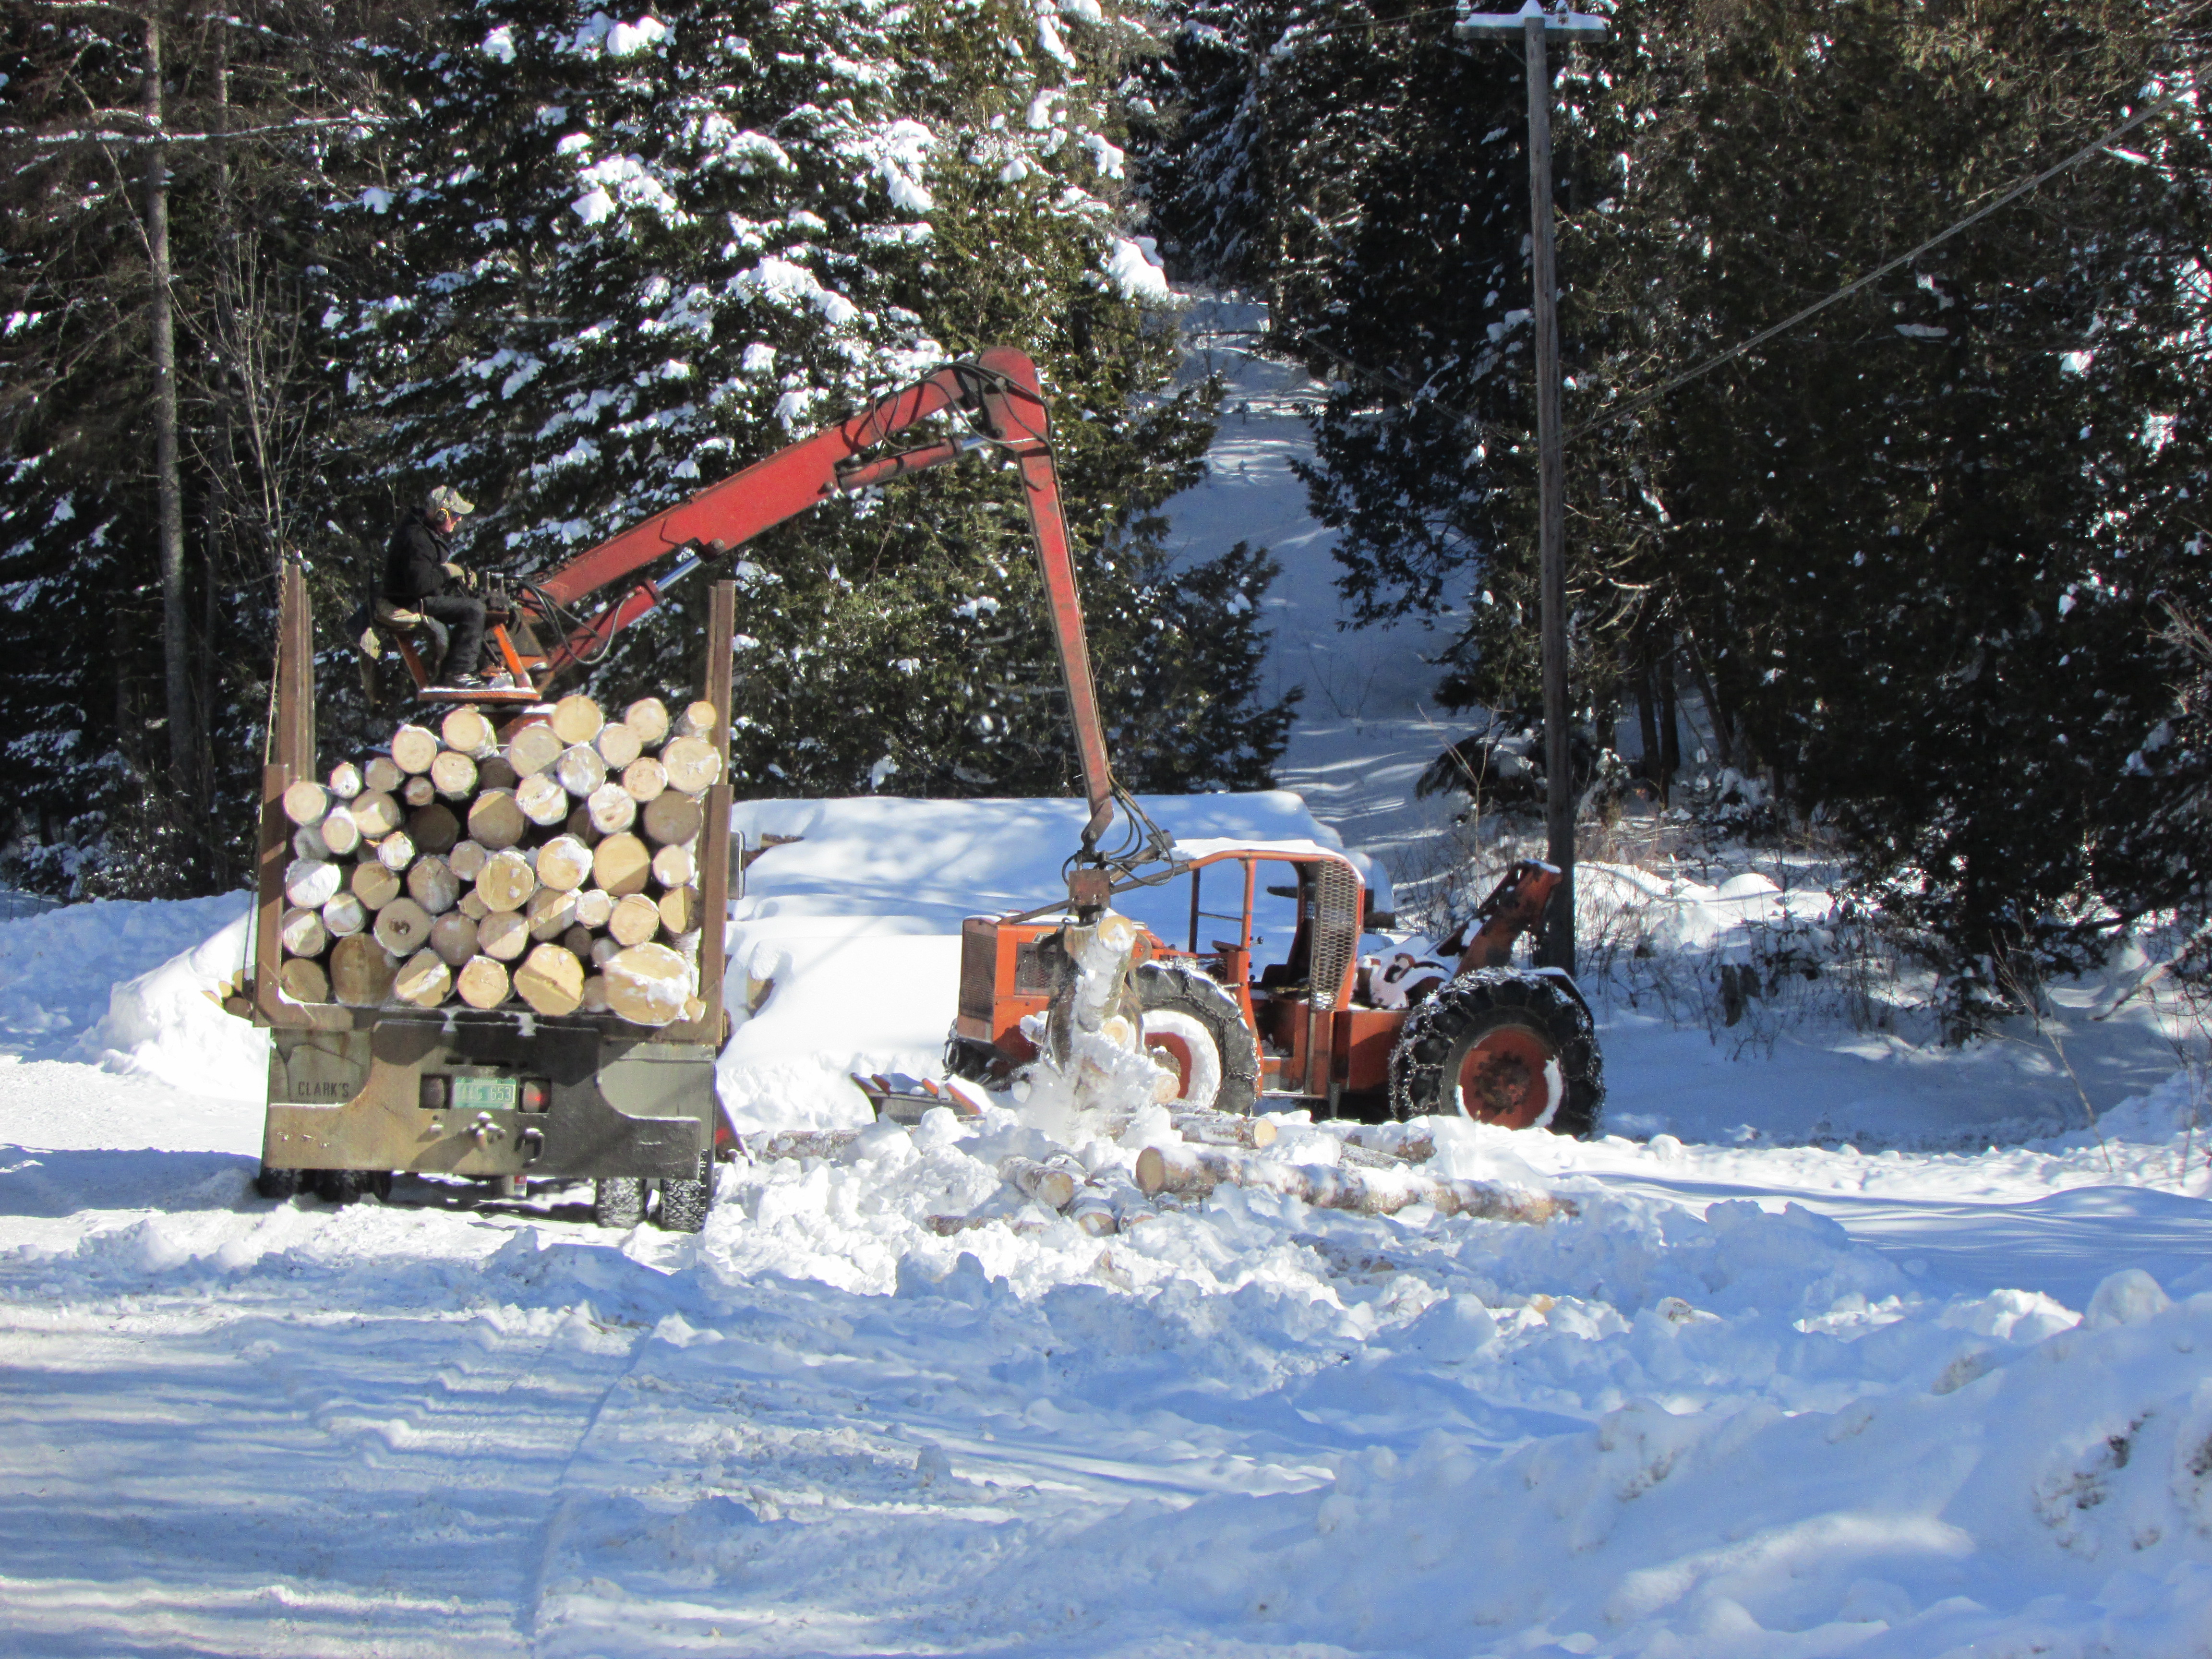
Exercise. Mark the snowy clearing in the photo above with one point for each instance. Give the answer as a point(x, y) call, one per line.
point(1855, 1345)
point(1753, 1398)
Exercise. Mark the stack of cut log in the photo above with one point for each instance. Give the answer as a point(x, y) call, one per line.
point(558, 868)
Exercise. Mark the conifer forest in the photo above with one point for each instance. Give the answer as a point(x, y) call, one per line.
point(1932, 562)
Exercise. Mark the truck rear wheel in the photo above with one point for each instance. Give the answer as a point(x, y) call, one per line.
point(351, 1186)
point(618, 1201)
point(1502, 1047)
point(1193, 1025)
point(684, 1203)
point(279, 1184)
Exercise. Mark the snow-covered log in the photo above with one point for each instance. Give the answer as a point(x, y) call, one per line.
point(1194, 1169)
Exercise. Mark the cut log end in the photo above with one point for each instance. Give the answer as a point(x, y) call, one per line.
point(413, 748)
point(635, 919)
point(507, 880)
point(425, 979)
point(576, 719)
point(495, 821)
point(621, 865)
point(533, 748)
point(647, 984)
point(693, 764)
point(503, 934)
point(302, 979)
point(482, 982)
point(551, 981)
point(467, 732)
point(648, 718)
point(306, 801)
point(361, 971)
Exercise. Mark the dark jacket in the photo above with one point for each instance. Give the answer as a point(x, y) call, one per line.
point(413, 570)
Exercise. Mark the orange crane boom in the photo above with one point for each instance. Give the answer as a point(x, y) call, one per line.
point(998, 396)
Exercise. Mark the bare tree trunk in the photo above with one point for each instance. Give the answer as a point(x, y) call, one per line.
point(167, 477)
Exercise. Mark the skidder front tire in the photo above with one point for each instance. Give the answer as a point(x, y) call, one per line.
point(684, 1204)
point(618, 1201)
point(1193, 1024)
point(1503, 1046)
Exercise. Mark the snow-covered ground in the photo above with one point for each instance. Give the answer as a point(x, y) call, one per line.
point(1853, 1345)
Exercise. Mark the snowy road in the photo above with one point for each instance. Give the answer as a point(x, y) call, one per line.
point(242, 1428)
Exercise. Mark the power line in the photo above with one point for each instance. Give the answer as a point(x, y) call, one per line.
point(1405, 388)
point(1643, 400)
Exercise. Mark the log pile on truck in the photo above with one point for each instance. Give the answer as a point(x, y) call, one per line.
point(556, 868)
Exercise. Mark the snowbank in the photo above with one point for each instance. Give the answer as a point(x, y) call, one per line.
point(168, 1024)
point(57, 969)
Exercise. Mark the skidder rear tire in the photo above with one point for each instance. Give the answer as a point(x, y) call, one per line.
point(1503, 1046)
point(684, 1204)
point(1192, 1022)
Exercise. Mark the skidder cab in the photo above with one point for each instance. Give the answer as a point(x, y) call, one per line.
point(1265, 991)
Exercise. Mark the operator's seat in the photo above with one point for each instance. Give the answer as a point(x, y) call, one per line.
point(379, 621)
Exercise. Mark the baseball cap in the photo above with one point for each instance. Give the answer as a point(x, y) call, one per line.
point(447, 499)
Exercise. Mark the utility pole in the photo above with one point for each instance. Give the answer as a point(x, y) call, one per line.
point(1531, 25)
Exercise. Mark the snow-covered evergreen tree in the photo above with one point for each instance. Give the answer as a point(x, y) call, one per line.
point(616, 257)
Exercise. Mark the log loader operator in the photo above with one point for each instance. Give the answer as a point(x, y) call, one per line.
point(420, 574)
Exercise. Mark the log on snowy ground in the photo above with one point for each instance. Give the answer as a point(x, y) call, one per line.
point(1204, 1129)
point(1050, 1185)
point(1091, 1210)
point(1199, 1169)
point(1413, 1142)
point(798, 1143)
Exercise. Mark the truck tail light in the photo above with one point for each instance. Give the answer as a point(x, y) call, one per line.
point(434, 1094)
point(537, 1095)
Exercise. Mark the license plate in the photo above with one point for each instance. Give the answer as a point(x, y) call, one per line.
point(483, 1094)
